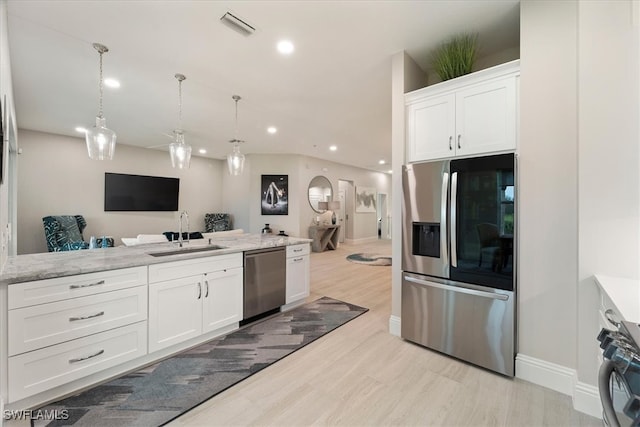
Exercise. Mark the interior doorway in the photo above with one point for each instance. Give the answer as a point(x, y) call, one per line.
point(345, 216)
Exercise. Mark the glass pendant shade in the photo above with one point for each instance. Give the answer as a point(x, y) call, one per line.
point(180, 152)
point(235, 161)
point(101, 141)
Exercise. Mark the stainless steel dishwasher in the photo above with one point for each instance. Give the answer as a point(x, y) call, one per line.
point(264, 281)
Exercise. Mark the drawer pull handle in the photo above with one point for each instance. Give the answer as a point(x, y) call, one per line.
point(298, 250)
point(297, 259)
point(459, 136)
point(450, 146)
point(206, 285)
point(608, 314)
point(91, 316)
point(80, 359)
point(100, 282)
point(199, 290)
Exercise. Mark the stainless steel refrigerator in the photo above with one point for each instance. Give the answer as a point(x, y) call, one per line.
point(459, 259)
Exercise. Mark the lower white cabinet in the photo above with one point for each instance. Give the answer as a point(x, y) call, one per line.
point(37, 371)
point(297, 273)
point(186, 307)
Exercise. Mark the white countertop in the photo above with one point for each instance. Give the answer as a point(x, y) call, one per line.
point(624, 293)
point(26, 268)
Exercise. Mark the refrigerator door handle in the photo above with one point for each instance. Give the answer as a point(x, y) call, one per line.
point(443, 218)
point(458, 289)
point(453, 225)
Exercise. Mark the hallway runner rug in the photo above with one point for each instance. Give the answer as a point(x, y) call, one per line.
point(370, 259)
point(158, 393)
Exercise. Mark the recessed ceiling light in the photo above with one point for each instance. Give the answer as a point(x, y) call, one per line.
point(381, 162)
point(272, 129)
point(333, 148)
point(285, 47)
point(202, 151)
point(81, 129)
point(113, 83)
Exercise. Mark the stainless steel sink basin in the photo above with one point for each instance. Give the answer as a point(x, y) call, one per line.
point(187, 250)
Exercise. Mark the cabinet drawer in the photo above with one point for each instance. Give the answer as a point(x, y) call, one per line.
point(61, 288)
point(41, 370)
point(298, 250)
point(191, 267)
point(31, 328)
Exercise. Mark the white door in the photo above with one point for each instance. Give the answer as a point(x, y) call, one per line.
point(222, 299)
point(175, 311)
point(341, 215)
point(431, 128)
point(486, 117)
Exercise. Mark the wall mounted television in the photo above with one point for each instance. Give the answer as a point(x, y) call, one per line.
point(124, 192)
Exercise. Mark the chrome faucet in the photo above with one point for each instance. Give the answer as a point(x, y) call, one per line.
point(186, 216)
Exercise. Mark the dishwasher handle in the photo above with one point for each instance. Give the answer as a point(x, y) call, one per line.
point(253, 253)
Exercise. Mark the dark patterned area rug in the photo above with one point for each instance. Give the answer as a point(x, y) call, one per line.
point(370, 259)
point(161, 392)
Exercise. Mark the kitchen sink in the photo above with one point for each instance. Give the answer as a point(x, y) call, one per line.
point(188, 250)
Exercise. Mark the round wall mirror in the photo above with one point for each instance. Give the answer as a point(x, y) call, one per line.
point(320, 190)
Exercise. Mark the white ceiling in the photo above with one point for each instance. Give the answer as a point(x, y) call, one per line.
point(334, 89)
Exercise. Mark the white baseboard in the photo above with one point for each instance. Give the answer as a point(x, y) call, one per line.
point(394, 325)
point(585, 397)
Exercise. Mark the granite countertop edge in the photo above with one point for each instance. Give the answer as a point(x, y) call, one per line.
point(30, 267)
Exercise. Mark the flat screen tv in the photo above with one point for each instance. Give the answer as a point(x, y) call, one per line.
point(140, 193)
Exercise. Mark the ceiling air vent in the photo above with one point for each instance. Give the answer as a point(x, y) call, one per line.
point(237, 24)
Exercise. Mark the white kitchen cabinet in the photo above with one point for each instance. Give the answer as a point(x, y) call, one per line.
point(62, 329)
point(209, 298)
point(298, 264)
point(471, 115)
point(222, 299)
point(175, 311)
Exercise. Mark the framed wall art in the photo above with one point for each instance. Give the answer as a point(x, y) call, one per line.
point(365, 200)
point(275, 195)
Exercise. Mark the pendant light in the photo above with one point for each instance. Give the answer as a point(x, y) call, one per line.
point(101, 141)
point(235, 160)
point(180, 152)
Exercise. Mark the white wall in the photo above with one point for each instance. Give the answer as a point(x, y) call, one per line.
point(406, 76)
point(548, 164)
point(8, 112)
point(56, 177)
point(608, 158)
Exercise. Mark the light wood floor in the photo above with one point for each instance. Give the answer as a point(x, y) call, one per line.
point(360, 375)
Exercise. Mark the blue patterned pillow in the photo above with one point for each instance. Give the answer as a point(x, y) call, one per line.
point(68, 230)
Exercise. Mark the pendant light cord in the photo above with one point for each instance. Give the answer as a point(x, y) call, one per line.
point(101, 87)
point(179, 104)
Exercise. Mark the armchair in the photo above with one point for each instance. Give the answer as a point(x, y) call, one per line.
point(64, 232)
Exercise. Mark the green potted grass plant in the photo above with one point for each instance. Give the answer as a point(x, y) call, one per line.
point(455, 57)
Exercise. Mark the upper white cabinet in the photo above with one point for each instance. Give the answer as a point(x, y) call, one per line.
point(470, 115)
